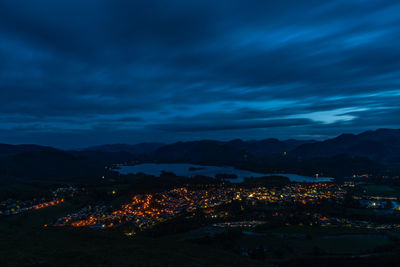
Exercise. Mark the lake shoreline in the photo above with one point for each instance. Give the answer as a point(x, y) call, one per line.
point(191, 170)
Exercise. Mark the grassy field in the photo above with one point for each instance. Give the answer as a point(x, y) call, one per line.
point(294, 246)
point(303, 240)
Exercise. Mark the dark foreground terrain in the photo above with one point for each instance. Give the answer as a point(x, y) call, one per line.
point(270, 224)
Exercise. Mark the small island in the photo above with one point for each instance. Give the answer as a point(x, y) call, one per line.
point(192, 169)
point(226, 176)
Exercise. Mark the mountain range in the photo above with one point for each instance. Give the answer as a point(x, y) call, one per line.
point(342, 155)
point(380, 145)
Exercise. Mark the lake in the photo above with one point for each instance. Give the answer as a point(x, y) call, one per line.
point(211, 171)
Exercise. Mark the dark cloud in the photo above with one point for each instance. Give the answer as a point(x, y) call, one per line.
point(130, 71)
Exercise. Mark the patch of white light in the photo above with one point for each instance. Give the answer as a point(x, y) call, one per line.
point(330, 116)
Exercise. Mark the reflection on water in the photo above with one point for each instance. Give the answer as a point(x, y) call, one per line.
point(191, 170)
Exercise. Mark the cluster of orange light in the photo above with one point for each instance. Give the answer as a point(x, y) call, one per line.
point(47, 204)
point(152, 207)
point(303, 193)
point(316, 191)
point(88, 222)
point(146, 207)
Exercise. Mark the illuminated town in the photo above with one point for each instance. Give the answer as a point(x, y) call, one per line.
point(146, 210)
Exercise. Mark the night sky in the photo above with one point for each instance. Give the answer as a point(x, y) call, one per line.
point(78, 73)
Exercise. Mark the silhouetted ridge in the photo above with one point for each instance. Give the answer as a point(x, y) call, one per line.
point(380, 145)
point(6, 149)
